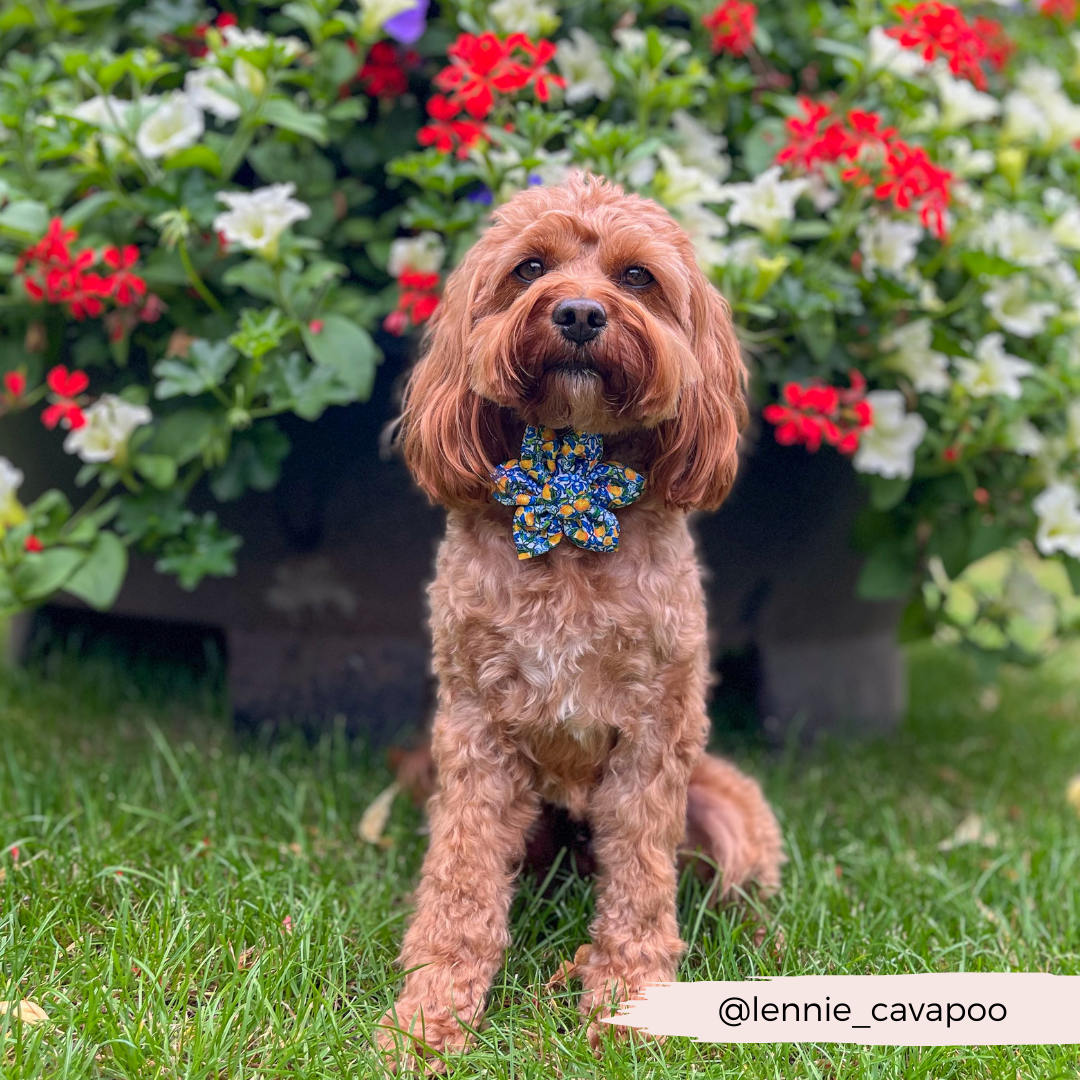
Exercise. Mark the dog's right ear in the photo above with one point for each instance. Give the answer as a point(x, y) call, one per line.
point(451, 437)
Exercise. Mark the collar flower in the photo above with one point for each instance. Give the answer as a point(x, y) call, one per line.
point(559, 487)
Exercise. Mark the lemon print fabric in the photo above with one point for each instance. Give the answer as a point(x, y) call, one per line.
point(560, 488)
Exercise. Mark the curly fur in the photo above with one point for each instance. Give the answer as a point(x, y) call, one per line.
point(576, 678)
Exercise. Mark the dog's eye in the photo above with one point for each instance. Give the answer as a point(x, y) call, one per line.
point(637, 277)
point(530, 270)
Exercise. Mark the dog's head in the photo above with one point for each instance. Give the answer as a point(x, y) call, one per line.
point(579, 307)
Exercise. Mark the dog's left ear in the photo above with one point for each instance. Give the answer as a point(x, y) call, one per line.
point(696, 453)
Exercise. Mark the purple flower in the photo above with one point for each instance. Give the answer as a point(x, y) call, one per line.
point(481, 195)
point(407, 27)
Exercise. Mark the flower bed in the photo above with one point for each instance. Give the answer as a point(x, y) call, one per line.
point(205, 216)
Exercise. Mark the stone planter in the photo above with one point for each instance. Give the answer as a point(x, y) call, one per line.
point(325, 616)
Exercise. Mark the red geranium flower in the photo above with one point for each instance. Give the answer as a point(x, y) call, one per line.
point(15, 383)
point(1065, 10)
point(869, 154)
point(445, 130)
point(481, 67)
point(32, 543)
point(384, 73)
point(816, 413)
point(937, 30)
point(732, 24)
point(126, 286)
point(65, 386)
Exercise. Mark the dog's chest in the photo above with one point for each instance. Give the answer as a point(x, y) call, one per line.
point(568, 644)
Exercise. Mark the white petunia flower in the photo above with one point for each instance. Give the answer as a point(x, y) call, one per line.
point(993, 372)
point(11, 480)
point(683, 189)
point(1024, 438)
point(423, 253)
point(909, 351)
point(765, 203)
point(887, 245)
point(699, 147)
point(686, 185)
point(174, 125)
point(256, 219)
point(887, 447)
point(582, 65)
point(706, 230)
point(1040, 112)
point(1066, 229)
point(236, 38)
point(1014, 236)
point(1039, 82)
point(291, 46)
point(1009, 301)
point(109, 424)
point(1065, 283)
point(203, 87)
point(529, 17)
point(964, 160)
point(961, 103)
point(642, 172)
point(887, 54)
point(103, 112)
point(744, 252)
point(1058, 511)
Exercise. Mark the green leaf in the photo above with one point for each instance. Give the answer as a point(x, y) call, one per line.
point(255, 462)
point(762, 144)
point(960, 605)
point(39, 575)
point(86, 529)
point(260, 331)
point(159, 469)
point(183, 435)
point(978, 262)
point(196, 157)
point(253, 276)
point(203, 550)
point(283, 113)
point(347, 349)
point(886, 575)
point(99, 578)
point(208, 364)
point(24, 219)
point(886, 493)
point(85, 209)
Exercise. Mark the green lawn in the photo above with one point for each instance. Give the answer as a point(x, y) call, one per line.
point(184, 906)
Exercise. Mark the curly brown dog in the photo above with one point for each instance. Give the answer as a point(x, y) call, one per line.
point(577, 677)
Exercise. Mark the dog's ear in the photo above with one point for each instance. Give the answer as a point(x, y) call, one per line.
point(696, 454)
point(449, 435)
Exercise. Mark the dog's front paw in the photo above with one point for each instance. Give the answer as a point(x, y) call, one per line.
point(415, 1036)
point(606, 984)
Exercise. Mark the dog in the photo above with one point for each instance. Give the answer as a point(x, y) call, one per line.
point(572, 673)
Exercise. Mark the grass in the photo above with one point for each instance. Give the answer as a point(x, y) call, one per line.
point(186, 905)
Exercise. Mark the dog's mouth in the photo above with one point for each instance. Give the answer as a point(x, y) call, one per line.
point(574, 366)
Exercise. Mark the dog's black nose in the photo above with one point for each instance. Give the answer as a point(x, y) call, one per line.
point(579, 320)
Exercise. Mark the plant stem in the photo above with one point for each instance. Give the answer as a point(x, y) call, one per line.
point(197, 282)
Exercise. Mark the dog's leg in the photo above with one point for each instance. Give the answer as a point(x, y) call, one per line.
point(479, 818)
point(637, 814)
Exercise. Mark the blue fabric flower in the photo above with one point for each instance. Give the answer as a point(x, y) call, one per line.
point(559, 487)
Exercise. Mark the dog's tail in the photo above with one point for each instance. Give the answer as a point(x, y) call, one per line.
point(730, 822)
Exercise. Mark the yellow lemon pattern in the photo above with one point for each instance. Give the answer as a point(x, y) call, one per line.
point(560, 487)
